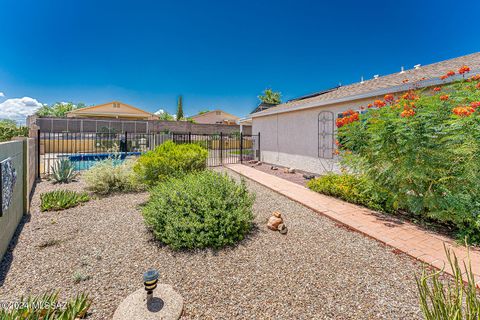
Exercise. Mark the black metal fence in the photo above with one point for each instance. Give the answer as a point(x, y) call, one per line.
point(224, 148)
point(84, 149)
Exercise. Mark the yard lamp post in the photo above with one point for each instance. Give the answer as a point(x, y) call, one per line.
point(164, 304)
point(150, 279)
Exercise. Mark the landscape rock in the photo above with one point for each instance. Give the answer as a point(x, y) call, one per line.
point(308, 176)
point(291, 170)
point(273, 168)
point(282, 228)
point(274, 222)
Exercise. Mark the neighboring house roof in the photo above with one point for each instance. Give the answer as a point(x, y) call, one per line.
point(215, 111)
point(424, 76)
point(113, 109)
point(263, 106)
point(316, 94)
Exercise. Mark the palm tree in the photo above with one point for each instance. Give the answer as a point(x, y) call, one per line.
point(270, 97)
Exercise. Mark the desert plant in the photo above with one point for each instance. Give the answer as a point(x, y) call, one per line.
point(422, 147)
point(110, 175)
point(201, 209)
point(79, 276)
point(170, 160)
point(61, 199)
point(453, 298)
point(47, 306)
point(63, 171)
point(352, 188)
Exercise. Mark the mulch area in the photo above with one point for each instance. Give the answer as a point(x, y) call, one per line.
point(316, 271)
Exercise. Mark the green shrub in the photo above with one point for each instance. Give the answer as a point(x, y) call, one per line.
point(202, 209)
point(446, 298)
point(109, 176)
point(63, 171)
point(170, 160)
point(424, 150)
point(9, 129)
point(46, 306)
point(62, 199)
point(352, 188)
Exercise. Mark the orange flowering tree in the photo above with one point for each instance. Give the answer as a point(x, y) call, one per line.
point(423, 147)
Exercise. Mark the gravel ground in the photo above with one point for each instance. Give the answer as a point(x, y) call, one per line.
point(316, 271)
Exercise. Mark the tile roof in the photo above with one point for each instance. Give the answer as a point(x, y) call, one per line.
point(371, 87)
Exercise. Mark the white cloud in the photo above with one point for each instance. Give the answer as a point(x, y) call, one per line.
point(159, 111)
point(2, 94)
point(19, 108)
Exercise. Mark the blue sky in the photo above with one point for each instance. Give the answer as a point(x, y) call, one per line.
point(217, 54)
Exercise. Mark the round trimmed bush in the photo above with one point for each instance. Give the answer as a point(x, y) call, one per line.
point(170, 160)
point(199, 210)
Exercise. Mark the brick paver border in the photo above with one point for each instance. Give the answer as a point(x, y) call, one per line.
point(423, 245)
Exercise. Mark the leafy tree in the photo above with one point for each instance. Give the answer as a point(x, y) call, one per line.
point(9, 129)
point(58, 109)
point(270, 97)
point(180, 108)
point(166, 116)
point(8, 123)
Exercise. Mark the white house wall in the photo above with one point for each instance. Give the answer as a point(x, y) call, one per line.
point(291, 139)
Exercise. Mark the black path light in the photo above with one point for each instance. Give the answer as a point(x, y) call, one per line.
point(166, 304)
point(150, 279)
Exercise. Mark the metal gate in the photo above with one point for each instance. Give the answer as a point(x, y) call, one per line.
point(84, 149)
point(326, 131)
point(224, 148)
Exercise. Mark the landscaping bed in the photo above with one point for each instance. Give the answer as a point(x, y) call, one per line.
point(316, 271)
point(296, 177)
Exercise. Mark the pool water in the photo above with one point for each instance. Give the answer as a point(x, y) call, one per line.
point(87, 164)
point(86, 161)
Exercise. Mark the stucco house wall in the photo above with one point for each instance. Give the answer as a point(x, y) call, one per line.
point(291, 139)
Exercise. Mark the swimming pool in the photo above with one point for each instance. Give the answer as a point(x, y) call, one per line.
point(88, 160)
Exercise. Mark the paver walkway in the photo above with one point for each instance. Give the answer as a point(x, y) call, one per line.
point(421, 244)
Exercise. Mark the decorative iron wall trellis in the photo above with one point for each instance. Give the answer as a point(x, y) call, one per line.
point(326, 134)
point(84, 149)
